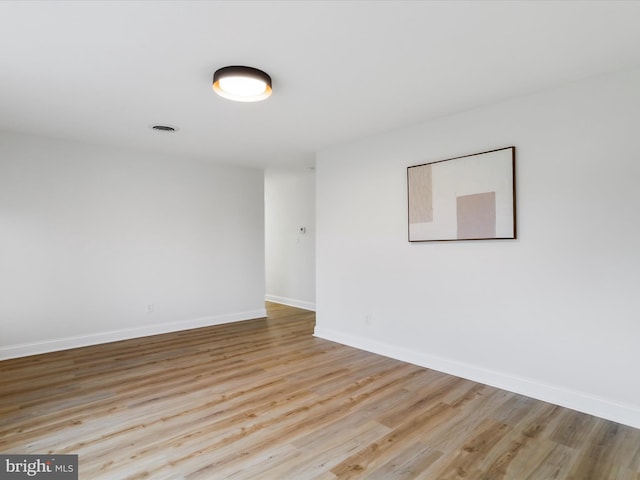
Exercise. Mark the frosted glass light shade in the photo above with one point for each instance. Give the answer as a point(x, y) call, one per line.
point(242, 84)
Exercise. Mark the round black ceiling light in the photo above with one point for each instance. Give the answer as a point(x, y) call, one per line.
point(242, 84)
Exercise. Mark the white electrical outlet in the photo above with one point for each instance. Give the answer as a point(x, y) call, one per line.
point(367, 319)
point(150, 307)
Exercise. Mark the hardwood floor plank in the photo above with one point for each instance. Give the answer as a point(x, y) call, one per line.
point(264, 399)
point(375, 454)
point(408, 464)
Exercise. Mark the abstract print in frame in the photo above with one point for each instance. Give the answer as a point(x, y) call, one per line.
point(463, 198)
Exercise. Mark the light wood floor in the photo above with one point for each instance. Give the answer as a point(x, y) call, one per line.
point(264, 399)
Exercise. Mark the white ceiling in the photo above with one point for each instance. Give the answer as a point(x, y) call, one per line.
point(104, 72)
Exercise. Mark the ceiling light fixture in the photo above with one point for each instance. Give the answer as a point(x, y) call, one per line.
point(242, 84)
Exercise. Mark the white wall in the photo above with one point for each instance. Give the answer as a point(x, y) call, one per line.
point(90, 236)
point(290, 255)
point(554, 314)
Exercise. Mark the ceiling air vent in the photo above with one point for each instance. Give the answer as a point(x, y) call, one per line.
point(164, 128)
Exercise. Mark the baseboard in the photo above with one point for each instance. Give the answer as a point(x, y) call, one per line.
point(46, 346)
point(291, 302)
point(573, 399)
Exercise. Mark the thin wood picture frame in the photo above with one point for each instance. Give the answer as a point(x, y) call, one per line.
point(472, 197)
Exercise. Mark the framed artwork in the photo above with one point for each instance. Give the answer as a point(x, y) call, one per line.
point(463, 198)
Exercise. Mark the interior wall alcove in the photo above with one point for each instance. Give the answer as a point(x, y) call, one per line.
point(290, 237)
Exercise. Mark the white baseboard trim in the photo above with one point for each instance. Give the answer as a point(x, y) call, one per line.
point(292, 302)
point(573, 399)
point(54, 345)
